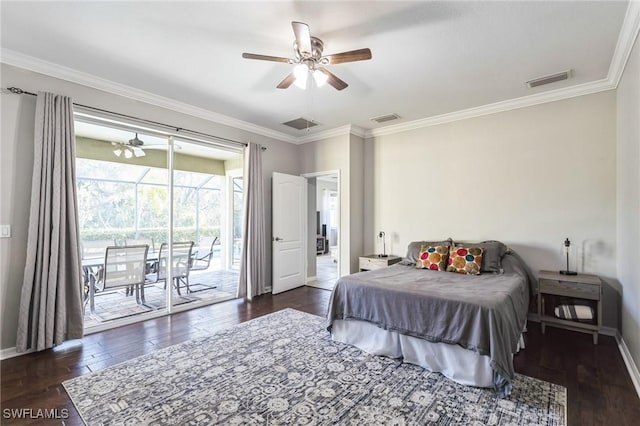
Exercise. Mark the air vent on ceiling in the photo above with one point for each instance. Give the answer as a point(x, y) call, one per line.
point(385, 118)
point(549, 79)
point(300, 123)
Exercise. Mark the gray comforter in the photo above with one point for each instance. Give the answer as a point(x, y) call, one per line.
point(483, 313)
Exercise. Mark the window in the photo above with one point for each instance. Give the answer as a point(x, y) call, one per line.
point(124, 200)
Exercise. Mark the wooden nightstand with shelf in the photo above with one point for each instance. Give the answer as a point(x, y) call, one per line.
point(582, 287)
point(372, 262)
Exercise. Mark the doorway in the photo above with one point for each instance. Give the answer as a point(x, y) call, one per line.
point(324, 229)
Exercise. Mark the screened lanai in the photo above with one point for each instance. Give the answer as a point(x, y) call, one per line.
point(125, 191)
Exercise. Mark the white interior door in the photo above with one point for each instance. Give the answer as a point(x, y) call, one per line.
point(289, 224)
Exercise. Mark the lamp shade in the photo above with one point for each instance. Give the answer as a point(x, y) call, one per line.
point(320, 78)
point(301, 72)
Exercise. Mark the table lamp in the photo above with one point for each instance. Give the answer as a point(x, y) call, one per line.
point(384, 248)
point(567, 249)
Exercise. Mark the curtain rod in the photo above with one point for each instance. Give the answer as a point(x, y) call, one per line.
point(19, 91)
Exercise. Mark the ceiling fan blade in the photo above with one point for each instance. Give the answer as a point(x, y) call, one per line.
point(265, 57)
point(351, 56)
point(333, 79)
point(303, 37)
point(288, 81)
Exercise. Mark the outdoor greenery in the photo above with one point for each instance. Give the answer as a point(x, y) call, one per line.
point(126, 205)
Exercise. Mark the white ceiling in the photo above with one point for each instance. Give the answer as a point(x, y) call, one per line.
point(429, 58)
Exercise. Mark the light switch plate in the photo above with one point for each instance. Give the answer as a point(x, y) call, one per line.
point(5, 231)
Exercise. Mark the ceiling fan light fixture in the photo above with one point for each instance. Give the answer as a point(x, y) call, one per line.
point(320, 78)
point(301, 72)
point(128, 153)
point(118, 151)
point(138, 152)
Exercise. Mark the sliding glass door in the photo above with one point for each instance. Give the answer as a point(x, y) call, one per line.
point(170, 195)
point(200, 181)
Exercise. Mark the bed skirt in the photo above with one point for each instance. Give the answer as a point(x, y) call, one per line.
point(458, 364)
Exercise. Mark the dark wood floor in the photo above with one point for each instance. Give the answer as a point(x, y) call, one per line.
point(600, 391)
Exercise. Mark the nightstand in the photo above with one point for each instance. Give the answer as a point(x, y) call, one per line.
point(584, 287)
point(372, 262)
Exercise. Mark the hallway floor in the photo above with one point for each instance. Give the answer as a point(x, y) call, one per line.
point(326, 272)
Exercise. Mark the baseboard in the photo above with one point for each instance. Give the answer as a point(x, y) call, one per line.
point(11, 353)
point(609, 331)
point(628, 361)
point(311, 279)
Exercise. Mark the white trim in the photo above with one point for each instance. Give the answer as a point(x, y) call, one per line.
point(348, 129)
point(311, 279)
point(339, 207)
point(11, 353)
point(626, 38)
point(144, 316)
point(502, 106)
point(30, 63)
point(632, 368)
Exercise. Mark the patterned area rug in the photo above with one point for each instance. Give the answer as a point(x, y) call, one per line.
point(284, 369)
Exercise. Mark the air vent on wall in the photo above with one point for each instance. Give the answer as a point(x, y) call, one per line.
point(549, 79)
point(385, 118)
point(300, 123)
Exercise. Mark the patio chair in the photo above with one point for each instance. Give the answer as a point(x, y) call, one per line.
point(181, 261)
point(138, 241)
point(201, 261)
point(124, 267)
point(95, 248)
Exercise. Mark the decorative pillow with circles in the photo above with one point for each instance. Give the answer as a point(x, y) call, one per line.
point(465, 260)
point(433, 257)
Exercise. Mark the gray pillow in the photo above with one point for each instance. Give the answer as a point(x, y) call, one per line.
point(492, 255)
point(413, 251)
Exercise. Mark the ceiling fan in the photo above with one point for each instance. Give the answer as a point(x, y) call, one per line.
point(129, 149)
point(309, 60)
point(135, 147)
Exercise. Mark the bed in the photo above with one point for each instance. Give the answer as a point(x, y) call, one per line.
point(465, 326)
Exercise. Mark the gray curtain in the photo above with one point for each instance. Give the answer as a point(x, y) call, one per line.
point(254, 240)
point(51, 302)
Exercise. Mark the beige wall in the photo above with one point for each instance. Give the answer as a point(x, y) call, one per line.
point(345, 154)
point(529, 177)
point(328, 155)
point(628, 197)
point(356, 200)
point(17, 163)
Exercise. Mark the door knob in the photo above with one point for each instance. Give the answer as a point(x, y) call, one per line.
point(278, 239)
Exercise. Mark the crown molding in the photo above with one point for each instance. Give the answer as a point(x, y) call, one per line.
point(348, 129)
point(628, 34)
point(626, 39)
point(30, 63)
point(502, 106)
point(358, 131)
